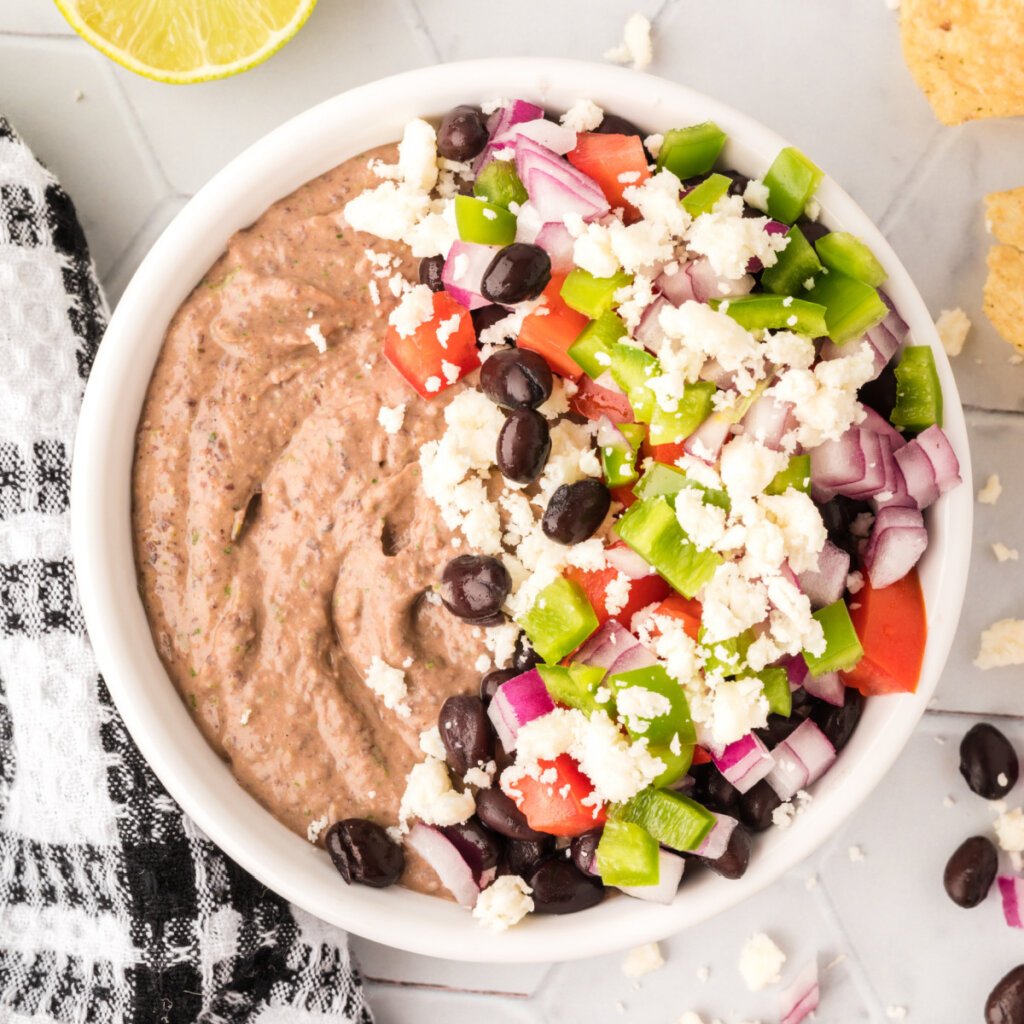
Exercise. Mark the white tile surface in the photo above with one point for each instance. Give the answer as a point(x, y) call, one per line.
point(827, 74)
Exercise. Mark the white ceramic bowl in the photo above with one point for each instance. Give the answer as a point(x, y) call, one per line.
point(300, 150)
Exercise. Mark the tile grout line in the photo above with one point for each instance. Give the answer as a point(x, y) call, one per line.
point(60, 37)
point(430, 986)
point(938, 143)
point(420, 27)
point(984, 410)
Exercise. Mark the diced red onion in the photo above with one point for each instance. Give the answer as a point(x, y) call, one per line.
point(670, 874)
point(677, 287)
point(898, 540)
point(771, 227)
point(707, 440)
point(628, 562)
point(894, 323)
point(840, 462)
point(874, 467)
point(802, 758)
point(878, 424)
point(826, 584)
point(555, 186)
point(550, 195)
point(446, 860)
point(745, 762)
point(713, 372)
point(609, 435)
point(463, 271)
point(1011, 890)
point(894, 488)
point(556, 137)
point(918, 474)
point(634, 658)
point(499, 123)
point(828, 687)
point(882, 344)
point(556, 241)
point(603, 647)
point(648, 332)
point(768, 421)
point(796, 670)
point(788, 774)
point(940, 453)
point(716, 842)
point(517, 701)
point(799, 999)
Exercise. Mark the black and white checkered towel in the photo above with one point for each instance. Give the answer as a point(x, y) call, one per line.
point(113, 906)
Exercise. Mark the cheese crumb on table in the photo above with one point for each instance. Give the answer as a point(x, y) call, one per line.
point(504, 903)
point(389, 684)
point(1002, 644)
point(761, 962)
point(690, 1018)
point(953, 326)
point(989, 494)
point(391, 418)
point(636, 47)
point(703, 974)
point(896, 1012)
point(1009, 827)
point(643, 960)
point(856, 854)
point(1005, 554)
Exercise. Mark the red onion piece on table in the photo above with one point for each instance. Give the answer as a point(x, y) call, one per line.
point(826, 584)
point(1011, 891)
point(800, 998)
point(745, 762)
point(516, 702)
point(670, 874)
point(446, 860)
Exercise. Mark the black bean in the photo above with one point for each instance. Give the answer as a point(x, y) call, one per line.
point(492, 680)
point(430, 272)
point(583, 850)
point(502, 758)
point(838, 723)
point(517, 273)
point(499, 812)
point(559, 887)
point(812, 229)
point(838, 516)
point(474, 587)
point(481, 849)
point(465, 732)
point(487, 316)
point(516, 378)
point(363, 853)
point(756, 806)
point(733, 863)
point(713, 789)
point(987, 762)
point(523, 446)
point(524, 856)
point(1005, 1004)
point(575, 511)
point(880, 393)
point(524, 657)
point(462, 134)
point(612, 124)
point(777, 729)
point(971, 871)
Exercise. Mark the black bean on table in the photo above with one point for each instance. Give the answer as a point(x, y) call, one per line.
point(465, 732)
point(480, 848)
point(524, 856)
point(492, 680)
point(487, 316)
point(524, 657)
point(559, 887)
point(583, 851)
point(733, 863)
point(988, 762)
point(517, 273)
point(516, 378)
point(970, 871)
point(838, 723)
point(524, 445)
point(499, 813)
point(1005, 1004)
point(462, 133)
point(474, 587)
point(362, 852)
point(575, 511)
point(430, 272)
point(756, 806)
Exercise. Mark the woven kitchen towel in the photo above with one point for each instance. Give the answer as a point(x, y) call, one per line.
point(113, 905)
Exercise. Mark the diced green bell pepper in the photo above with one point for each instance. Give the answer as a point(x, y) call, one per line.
point(694, 408)
point(775, 313)
point(660, 478)
point(687, 152)
point(702, 198)
point(791, 180)
point(851, 306)
point(777, 691)
point(677, 762)
point(676, 721)
point(726, 657)
point(559, 621)
point(618, 461)
point(674, 820)
point(499, 183)
point(627, 855)
point(796, 265)
point(631, 369)
point(797, 475)
point(651, 529)
point(592, 296)
point(842, 645)
point(918, 390)
point(575, 686)
point(593, 345)
point(483, 222)
point(839, 250)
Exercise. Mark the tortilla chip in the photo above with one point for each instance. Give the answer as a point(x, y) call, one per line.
point(967, 56)
point(1004, 216)
point(1004, 293)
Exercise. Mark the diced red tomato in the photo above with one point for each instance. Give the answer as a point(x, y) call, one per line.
point(623, 495)
point(556, 806)
point(418, 356)
point(666, 453)
point(551, 333)
point(642, 592)
point(893, 628)
point(700, 756)
point(687, 609)
point(606, 159)
point(594, 401)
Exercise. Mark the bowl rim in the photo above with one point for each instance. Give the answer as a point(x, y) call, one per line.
point(201, 783)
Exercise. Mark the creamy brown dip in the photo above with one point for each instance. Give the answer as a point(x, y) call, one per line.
point(281, 536)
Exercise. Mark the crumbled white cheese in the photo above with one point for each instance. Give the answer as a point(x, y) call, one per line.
point(953, 326)
point(636, 47)
point(1003, 553)
point(315, 827)
point(1002, 644)
point(505, 902)
point(417, 154)
point(784, 814)
point(391, 418)
point(690, 1018)
point(616, 593)
point(637, 707)
point(429, 796)
point(738, 707)
point(756, 195)
point(481, 776)
point(415, 309)
point(730, 240)
point(761, 962)
point(1009, 827)
point(788, 350)
point(855, 582)
point(316, 335)
point(895, 1012)
point(389, 684)
point(431, 743)
point(643, 960)
point(990, 493)
point(246, 715)
point(703, 524)
point(856, 854)
point(583, 116)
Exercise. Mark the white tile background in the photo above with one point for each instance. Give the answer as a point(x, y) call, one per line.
point(828, 75)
